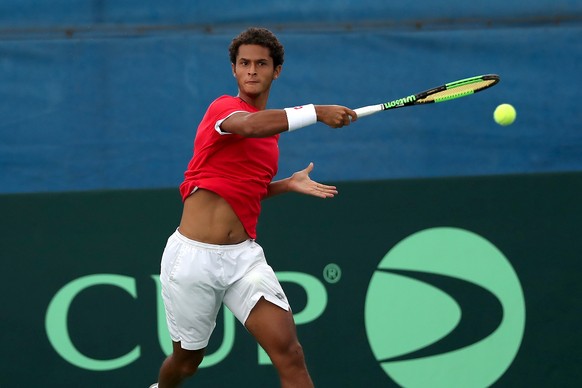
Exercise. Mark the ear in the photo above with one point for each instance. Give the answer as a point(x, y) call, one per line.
point(233, 67)
point(277, 72)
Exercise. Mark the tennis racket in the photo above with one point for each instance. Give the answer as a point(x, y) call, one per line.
point(447, 92)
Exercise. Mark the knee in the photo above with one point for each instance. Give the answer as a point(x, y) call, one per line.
point(290, 356)
point(185, 366)
point(188, 369)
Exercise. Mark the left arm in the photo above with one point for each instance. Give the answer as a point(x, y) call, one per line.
point(300, 182)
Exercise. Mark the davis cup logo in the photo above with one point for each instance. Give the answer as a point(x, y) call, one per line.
point(444, 309)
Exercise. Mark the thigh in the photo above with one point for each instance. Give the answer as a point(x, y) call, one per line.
point(257, 280)
point(273, 327)
point(191, 296)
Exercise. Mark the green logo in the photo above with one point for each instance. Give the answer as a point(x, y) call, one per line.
point(399, 102)
point(445, 309)
point(332, 273)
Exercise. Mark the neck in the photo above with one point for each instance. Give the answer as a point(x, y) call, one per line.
point(258, 101)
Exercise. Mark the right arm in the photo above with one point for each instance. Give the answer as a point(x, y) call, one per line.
point(273, 121)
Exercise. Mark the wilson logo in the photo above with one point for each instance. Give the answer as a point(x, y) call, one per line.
point(399, 102)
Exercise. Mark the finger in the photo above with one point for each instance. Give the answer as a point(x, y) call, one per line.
point(328, 190)
point(309, 168)
point(326, 187)
point(328, 194)
point(348, 116)
point(347, 119)
point(324, 194)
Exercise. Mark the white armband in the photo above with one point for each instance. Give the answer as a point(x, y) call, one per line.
point(301, 116)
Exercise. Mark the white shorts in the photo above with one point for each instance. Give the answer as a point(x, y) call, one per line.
point(197, 278)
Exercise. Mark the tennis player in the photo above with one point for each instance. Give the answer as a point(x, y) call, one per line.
point(213, 257)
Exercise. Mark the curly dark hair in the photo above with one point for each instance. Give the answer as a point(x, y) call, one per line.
point(261, 37)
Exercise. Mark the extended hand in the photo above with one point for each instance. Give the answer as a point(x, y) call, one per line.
point(300, 182)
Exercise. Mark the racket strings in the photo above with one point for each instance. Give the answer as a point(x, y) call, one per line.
point(457, 91)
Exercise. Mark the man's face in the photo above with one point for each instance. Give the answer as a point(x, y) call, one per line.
point(254, 69)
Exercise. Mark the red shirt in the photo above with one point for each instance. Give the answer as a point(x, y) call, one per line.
point(237, 168)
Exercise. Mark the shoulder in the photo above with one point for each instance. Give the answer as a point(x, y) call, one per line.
point(225, 102)
point(225, 106)
point(222, 107)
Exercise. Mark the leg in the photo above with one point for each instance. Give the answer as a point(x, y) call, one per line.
point(274, 330)
point(180, 365)
point(191, 302)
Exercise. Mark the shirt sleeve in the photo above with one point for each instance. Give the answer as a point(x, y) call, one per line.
point(219, 123)
point(222, 108)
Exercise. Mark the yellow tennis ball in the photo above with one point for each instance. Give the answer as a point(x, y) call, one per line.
point(504, 114)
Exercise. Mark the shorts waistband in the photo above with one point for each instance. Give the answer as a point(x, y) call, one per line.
point(199, 244)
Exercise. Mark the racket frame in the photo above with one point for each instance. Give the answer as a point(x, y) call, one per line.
point(420, 98)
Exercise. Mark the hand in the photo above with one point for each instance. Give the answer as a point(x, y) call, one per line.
point(300, 182)
point(335, 116)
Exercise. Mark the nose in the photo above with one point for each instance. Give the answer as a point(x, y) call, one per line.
point(252, 69)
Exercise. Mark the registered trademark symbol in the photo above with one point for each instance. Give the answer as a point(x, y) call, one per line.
point(332, 273)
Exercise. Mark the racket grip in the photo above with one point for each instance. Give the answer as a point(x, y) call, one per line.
point(368, 110)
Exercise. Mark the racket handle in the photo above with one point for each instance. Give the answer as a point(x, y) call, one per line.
point(368, 110)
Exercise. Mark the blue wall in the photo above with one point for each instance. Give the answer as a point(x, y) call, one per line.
point(107, 94)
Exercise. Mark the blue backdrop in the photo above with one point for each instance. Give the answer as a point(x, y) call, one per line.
point(107, 94)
